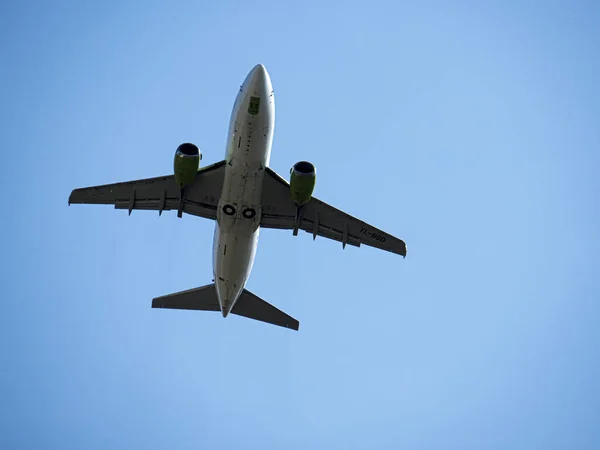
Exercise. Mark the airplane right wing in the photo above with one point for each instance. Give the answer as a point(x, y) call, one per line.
point(320, 219)
point(160, 193)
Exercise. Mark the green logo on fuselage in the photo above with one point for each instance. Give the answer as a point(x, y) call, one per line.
point(254, 105)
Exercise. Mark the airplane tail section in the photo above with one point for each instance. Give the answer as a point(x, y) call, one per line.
point(203, 298)
point(253, 307)
point(247, 305)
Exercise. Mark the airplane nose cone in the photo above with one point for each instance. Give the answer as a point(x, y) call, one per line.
point(260, 80)
point(259, 72)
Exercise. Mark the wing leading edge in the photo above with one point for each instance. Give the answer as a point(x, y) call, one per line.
point(160, 193)
point(320, 219)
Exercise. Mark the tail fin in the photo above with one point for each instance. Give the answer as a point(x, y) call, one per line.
point(247, 305)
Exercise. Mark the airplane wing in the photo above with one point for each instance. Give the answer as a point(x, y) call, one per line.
point(320, 219)
point(160, 193)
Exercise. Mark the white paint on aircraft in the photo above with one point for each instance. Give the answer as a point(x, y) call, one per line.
point(248, 152)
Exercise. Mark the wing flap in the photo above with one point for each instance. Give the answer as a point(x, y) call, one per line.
point(330, 233)
point(149, 204)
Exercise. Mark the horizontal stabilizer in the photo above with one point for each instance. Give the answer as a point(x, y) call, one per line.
point(247, 305)
point(254, 307)
point(203, 298)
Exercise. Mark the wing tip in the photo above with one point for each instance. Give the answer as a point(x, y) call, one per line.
point(158, 302)
point(73, 196)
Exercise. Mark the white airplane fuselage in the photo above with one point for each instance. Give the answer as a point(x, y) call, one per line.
point(248, 152)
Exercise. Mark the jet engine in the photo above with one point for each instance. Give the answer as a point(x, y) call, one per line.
point(186, 164)
point(303, 177)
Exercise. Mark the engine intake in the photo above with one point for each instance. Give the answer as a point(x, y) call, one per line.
point(186, 164)
point(303, 177)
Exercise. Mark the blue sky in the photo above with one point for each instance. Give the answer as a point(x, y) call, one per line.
point(468, 130)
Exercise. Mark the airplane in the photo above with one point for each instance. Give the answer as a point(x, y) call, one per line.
point(242, 194)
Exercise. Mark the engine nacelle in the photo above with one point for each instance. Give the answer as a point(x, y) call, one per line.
point(303, 177)
point(186, 164)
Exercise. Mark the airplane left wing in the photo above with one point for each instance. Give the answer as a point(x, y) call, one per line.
point(160, 193)
point(320, 219)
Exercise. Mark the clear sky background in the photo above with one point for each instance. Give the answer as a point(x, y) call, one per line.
point(468, 130)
